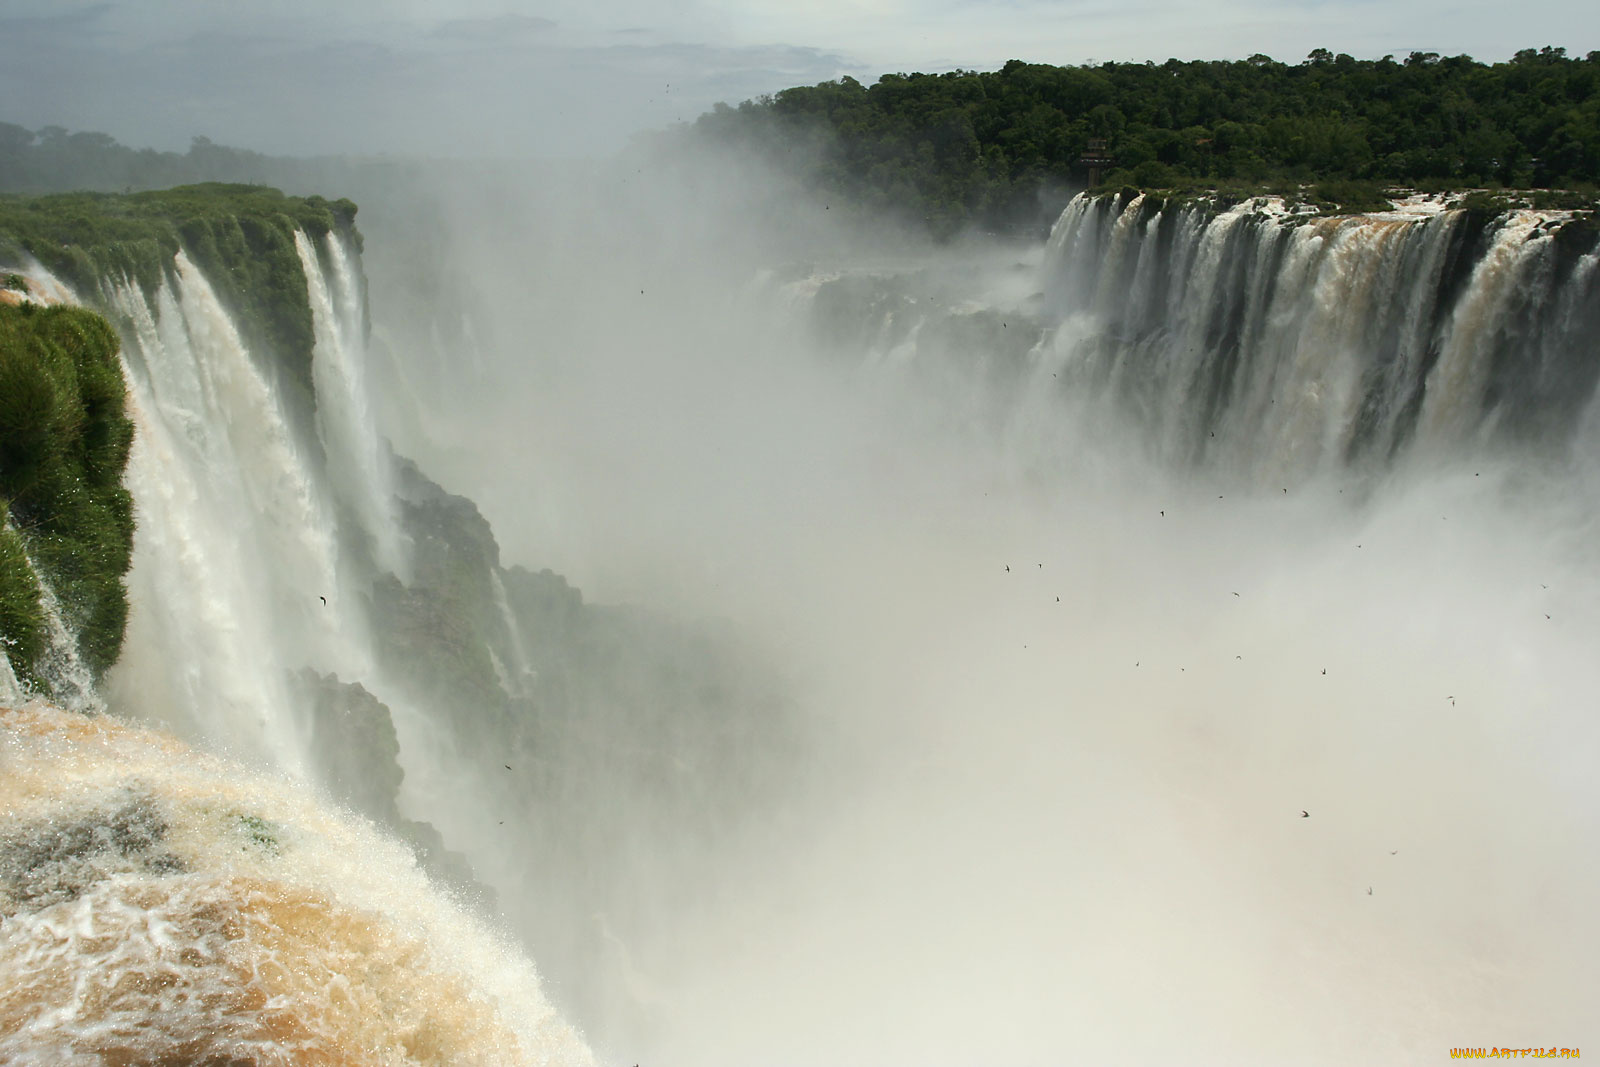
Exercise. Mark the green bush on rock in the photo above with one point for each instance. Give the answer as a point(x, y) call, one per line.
point(64, 441)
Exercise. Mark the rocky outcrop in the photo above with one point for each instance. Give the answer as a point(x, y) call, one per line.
point(356, 757)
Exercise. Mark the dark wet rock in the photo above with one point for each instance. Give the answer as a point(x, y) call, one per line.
point(52, 861)
point(356, 756)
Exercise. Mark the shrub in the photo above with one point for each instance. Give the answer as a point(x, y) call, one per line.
point(64, 440)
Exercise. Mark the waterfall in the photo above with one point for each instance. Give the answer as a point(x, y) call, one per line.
point(1290, 344)
point(1270, 343)
point(193, 584)
point(356, 461)
point(212, 445)
point(519, 683)
point(67, 679)
point(240, 550)
point(157, 902)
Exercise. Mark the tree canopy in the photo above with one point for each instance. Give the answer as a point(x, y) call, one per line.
point(970, 146)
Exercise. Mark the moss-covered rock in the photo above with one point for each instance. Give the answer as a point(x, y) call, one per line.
point(64, 441)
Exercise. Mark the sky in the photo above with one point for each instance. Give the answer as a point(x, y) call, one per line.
point(561, 78)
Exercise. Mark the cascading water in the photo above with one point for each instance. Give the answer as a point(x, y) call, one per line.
point(356, 462)
point(11, 693)
point(1289, 345)
point(193, 584)
point(1267, 342)
point(62, 669)
point(212, 445)
point(521, 672)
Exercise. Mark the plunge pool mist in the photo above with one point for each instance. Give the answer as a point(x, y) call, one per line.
point(1066, 699)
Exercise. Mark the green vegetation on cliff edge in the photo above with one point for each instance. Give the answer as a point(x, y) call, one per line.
point(240, 236)
point(970, 147)
point(64, 440)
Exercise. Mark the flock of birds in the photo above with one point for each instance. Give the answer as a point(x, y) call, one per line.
point(1304, 814)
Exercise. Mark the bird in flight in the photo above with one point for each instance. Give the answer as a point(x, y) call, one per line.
point(1304, 814)
point(323, 599)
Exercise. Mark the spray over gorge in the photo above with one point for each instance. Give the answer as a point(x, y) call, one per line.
point(803, 642)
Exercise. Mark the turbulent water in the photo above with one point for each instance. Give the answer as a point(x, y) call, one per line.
point(162, 906)
point(1097, 563)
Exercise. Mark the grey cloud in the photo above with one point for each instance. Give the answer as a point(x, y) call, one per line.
point(498, 30)
point(61, 26)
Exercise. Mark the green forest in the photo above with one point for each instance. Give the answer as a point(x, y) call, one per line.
point(971, 147)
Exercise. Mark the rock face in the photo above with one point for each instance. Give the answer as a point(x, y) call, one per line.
point(439, 631)
point(353, 743)
point(356, 757)
point(610, 747)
